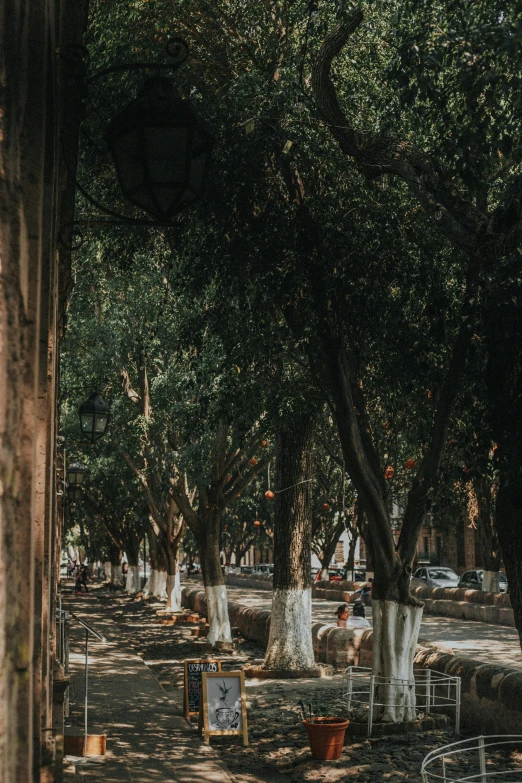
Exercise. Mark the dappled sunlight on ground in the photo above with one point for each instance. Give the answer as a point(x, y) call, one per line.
point(139, 706)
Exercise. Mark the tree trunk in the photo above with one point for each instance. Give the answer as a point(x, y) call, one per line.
point(107, 570)
point(115, 558)
point(132, 550)
point(214, 581)
point(156, 585)
point(395, 634)
point(290, 642)
point(173, 585)
point(486, 534)
point(132, 582)
point(350, 561)
point(509, 527)
point(504, 384)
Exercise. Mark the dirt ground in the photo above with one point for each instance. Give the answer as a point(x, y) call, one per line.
point(278, 751)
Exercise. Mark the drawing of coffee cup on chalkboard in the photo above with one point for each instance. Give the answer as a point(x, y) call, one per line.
point(226, 717)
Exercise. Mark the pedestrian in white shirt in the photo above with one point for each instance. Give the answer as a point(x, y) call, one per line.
point(358, 620)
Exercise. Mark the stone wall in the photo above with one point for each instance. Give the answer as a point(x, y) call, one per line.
point(256, 581)
point(457, 602)
point(491, 695)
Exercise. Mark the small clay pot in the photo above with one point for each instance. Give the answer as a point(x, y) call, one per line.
point(326, 737)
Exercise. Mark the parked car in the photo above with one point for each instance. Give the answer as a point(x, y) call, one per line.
point(437, 576)
point(247, 570)
point(264, 568)
point(473, 580)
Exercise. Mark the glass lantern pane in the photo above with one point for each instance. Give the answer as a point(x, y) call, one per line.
point(166, 155)
point(197, 173)
point(87, 420)
point(100, 422)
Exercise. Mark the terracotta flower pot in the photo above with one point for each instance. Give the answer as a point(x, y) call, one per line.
point(326, 737)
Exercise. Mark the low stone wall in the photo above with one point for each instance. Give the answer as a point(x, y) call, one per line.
point(491, 700)
point(491, 695)
point(257, 581)
point(461, 594)
point(457, 602)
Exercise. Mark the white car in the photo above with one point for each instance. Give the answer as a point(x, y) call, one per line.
point(435, 576)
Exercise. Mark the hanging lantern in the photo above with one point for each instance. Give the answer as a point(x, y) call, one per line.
point(264, 444)
point(74, 493)
point(257, 523)
point(94, 417)
point(389, 472)
point(269, 495)
point(160, 150)
point(75, 474)
point(410, 464)
point(326, 507)
point(452, 443)
point(253, 461)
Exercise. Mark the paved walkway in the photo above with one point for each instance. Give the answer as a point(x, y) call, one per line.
point(148, 740)
point(497, 644)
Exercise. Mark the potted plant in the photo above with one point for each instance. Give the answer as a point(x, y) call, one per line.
point(325, 734)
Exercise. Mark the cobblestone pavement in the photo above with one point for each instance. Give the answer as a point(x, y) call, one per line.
point(484, 641)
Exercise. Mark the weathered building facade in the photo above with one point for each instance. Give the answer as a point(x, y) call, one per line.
point(39, 119)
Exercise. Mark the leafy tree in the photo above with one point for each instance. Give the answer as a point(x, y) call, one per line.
point(474, 200)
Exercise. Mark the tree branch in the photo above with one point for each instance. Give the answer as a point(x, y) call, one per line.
point(378, 154)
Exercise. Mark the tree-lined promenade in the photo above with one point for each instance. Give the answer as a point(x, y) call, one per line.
point(343, 304)
point(322, 343)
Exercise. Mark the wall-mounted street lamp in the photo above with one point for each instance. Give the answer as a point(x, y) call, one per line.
point(73, 493)
point(75, 475)
point(159, 147)
point(160, 150)
point(94, 417)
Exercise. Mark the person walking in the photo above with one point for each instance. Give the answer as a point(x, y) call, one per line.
point(82, 578)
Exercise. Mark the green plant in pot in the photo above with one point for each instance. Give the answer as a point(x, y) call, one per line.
point(325, 734)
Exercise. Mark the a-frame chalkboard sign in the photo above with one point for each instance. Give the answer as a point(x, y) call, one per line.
point(223, 706)
point(194, 668)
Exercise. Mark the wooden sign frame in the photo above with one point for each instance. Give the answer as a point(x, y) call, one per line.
point(204, 726)
point(186, 702)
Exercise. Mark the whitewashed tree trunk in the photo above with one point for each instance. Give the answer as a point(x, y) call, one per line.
point(490, 582)
point(173, 592)
point(150, 584)
point(217, 609)
point(395, 635)
point(107, 569)
point(325, 576)
point(132, 585)
point(290, 643)
point(160, 588)
point(116, 574)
